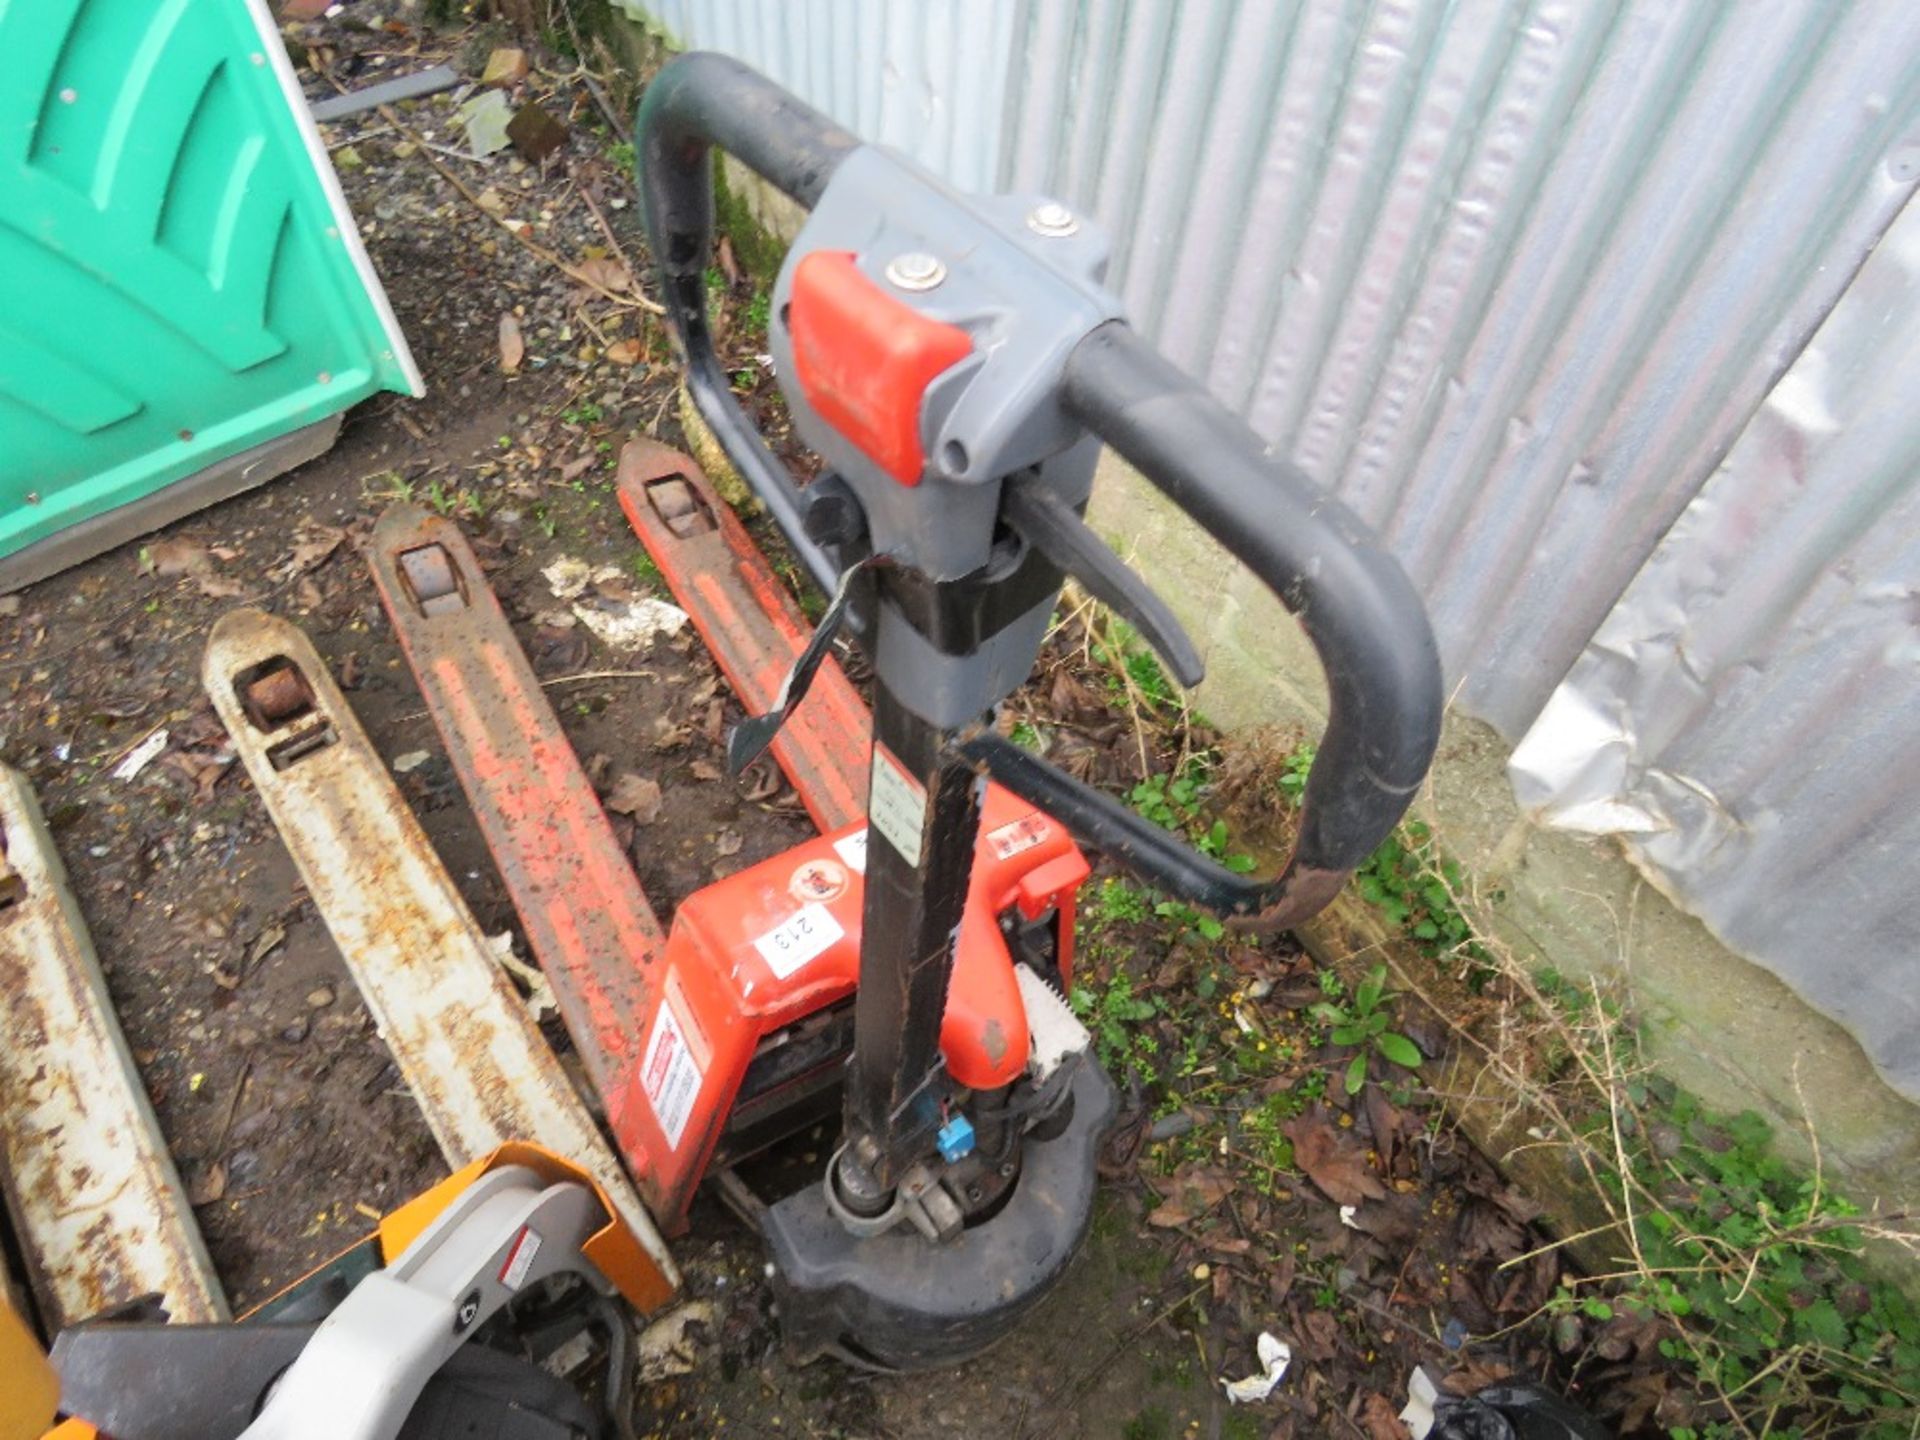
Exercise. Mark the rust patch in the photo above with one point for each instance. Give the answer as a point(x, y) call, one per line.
point(993, 1039)
point(101, 1215)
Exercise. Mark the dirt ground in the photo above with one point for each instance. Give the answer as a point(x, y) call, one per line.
point(276, 1095)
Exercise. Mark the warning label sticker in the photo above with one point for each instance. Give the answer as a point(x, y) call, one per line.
point(853, 849)
point(802, 936)
point(526, 1245)
point(670, 1073)
point(897, 805)
point(1022, 834)
point(820, 880)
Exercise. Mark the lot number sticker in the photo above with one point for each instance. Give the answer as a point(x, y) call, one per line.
point(853, 849)
point(807, 933)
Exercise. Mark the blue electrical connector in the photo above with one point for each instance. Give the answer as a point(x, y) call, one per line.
point(955, 1139)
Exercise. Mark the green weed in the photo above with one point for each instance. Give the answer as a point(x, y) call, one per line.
point(648, 573)
point(1761, 1270)
point(1759, 1267)
point(1111, 1014)
point(453, 502)
point(759, 313)
point(1361, 1020)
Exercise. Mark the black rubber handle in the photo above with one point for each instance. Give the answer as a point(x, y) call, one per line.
point(698, 101)
point(1352, 598)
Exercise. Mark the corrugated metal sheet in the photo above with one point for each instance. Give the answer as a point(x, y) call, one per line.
point(1509, 277)
point(1750, 711)
point(927, 77)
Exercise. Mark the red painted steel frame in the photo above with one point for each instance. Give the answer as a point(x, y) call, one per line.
point(668, 1026)
point(586, 917)
point(754, 630)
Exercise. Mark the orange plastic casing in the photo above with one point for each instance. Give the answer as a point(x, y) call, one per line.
point(780, 941)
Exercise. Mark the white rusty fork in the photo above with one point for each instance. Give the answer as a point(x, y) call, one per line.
point(462, 1038)
point(95, 1199)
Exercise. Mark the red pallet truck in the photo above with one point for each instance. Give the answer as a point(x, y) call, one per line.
point(956, 363)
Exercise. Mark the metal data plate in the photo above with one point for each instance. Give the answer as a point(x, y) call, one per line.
point(96, 1203)
point(460, 1035)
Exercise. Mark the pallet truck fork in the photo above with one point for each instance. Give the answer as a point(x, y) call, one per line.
point(957, 364)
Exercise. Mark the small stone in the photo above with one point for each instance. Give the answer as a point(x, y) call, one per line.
point(505, 67)
point(320, 997)
point(296, 1032)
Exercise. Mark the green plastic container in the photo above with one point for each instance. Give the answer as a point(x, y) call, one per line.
point(185, 305)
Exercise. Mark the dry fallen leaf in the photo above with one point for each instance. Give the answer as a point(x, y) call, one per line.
point(1190, 1192)
point(606, 273)
point(204, 770)
point(316, 543)
point(1379, 1419)
point(215, 588)
point(624, 352)
point(266, 942)
point(1317, 1336)
point(764, 781)
point(1340, 1170)
point(513, 345)
point(728, 842)
point(1475, 1375)
point(705, 770)
point(209, 1185)
point(635, 795)
point(176, 555)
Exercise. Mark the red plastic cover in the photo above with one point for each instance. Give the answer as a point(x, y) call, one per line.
point(864, 359)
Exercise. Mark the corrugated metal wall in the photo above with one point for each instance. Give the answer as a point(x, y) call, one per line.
point(1508, 277)
point(1512, 277)
point(928, 77)
point(1750, 710)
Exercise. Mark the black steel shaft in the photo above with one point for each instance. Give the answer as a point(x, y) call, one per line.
point(913, 907)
